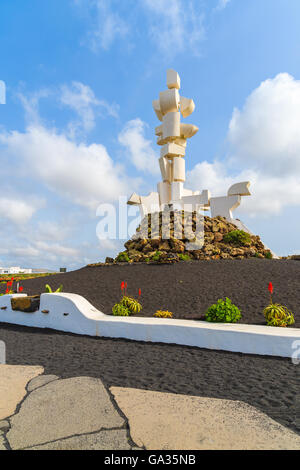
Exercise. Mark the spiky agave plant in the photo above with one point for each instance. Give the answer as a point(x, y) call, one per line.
point(278, 315)
point(50, 291)
point(163, 314)
point(132, 304)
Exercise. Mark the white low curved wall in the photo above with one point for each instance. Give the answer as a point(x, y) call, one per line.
point(82, 318)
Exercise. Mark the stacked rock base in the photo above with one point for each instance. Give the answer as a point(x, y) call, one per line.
point(169, 237)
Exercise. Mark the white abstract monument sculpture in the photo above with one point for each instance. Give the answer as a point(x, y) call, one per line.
point(172, 136)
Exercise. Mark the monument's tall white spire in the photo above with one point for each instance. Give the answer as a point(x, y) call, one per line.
point(172, 135)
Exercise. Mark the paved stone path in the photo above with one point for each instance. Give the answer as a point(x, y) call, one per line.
point(45, 412)
point(12, 386)
point(173, 422)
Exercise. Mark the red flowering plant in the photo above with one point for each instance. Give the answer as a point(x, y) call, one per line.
point(276, 314)
point(127, 305)
point(8, 288)
point(270, 289)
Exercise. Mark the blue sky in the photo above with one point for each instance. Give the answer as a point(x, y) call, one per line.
point(77, 129)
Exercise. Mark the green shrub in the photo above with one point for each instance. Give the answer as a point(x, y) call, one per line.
point(123, 257)
point(278, 315)
point(237, 237)
point(183, 257)
point(223, 312)
point(120, 310)
point(133, 305)
point(268, 255)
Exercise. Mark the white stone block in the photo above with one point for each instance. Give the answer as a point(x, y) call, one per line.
point(181, 142)
point(173, 79)
point(169, 101)
point(134, 199)
point(188, 130)
point(239, 189)
point(164, 190)
point(187, 106)
point(224, 206)
point(149, 204)
point(156, 107)
point(178, 169)
point(176, 190)
point(197, 200)
point(171, 150)
point(171, 126)
point(166, 169)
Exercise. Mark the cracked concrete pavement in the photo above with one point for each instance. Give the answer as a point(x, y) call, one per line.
point(45, 412)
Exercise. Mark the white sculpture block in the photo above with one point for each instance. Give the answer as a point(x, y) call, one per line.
point(224, 205)
point(239, 189)
point(178, 169)
point(173, 79)
point(164, 190)
point(134, 199)
point(149, 204)
point(181, 142)
point(198, 199)
point(171, 126)
point(169, 101)
point(172, 150)
point(165, 169)
point(187, 106)
point(176, 190)
point(156, 107)
point(188, 130)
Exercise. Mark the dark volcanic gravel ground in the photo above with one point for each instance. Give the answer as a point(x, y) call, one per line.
point(271, 384)
point(188, 288)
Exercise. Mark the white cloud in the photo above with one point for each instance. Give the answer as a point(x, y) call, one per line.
point(141, 153)
point(84, 174)
point(30, 104)
point(54, 231)
point(266, 132)
point(82, 100)
point(44, 251)
point(175, 25)
point(222, 4)
point(18, 210)
point(57, 249)
point(108, 26)
point(265, 148)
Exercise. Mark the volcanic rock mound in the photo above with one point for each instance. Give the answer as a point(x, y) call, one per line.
point(168, 237)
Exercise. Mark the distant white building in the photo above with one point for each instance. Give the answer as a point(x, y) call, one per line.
point(15, 270)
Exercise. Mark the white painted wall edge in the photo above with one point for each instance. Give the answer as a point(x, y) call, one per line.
point(74, 314)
